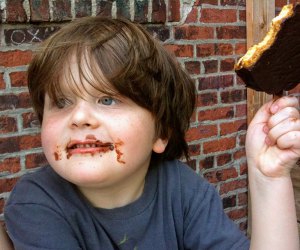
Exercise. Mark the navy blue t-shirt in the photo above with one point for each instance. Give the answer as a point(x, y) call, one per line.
point(177, 210)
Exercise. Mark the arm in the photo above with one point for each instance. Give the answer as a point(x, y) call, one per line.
point(5, 242)
point(273, 148)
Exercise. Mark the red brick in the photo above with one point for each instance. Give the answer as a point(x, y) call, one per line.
point(239, 81)
point(2, 203)
point(243, 226)
point(15, 58)
point(280, 3)
point(241, 110)
point(232, 127)
point(192, 17)
point(243, 169)
point(242, 15)
point(232, 185)
point(9, 145)
point(234, 2)
point(237, 213)
point(15, 11)
point(159, 31)
point(141, 11)
point(29, 141)
point(39, 10)
point(205, 50)
point(192, 67)
point(229, 201)
point(180, 50)
point(207, 99)
point(1, 15)
point(200, 2)
point(243, 199)
point(29, 35)
point(62, 10)
point(231, 32)
point(83, 8)
point(6, 185)
point(200, 132)
point(240, 48)
point(18, 79)
point(221, 175)
point(35, 160)
point(242, 138)
point(239, 154)
point(219, 145)
point(194, 150)
point(237, 95)
point(218, 16)
point(123, 8)
point(2, 82)
point(227, 65)
point(8, 124)
point(174, 11)
point(193, 117)
point(104, 8)
point(215, 82)
point(216, 114)
point(210, 66)
point(224, 159)
point(224, 49)
point(193, 32)
point(13, 101)
point(159, 12)
point(11, 165)
point(207, 163)
point(192, 164)
point(30, 120)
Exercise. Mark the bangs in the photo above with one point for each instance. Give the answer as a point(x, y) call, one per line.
point(79, 74)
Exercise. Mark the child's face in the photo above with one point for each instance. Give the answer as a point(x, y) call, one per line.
point(98, 141)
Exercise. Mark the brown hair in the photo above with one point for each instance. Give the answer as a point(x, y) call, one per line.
point(134, 65)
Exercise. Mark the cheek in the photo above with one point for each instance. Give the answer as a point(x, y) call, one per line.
point(49, 137)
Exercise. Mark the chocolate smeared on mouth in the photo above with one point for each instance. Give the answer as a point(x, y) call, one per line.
point(96, 144)
point(88, 147)
point(57, 153)
point(93, 146)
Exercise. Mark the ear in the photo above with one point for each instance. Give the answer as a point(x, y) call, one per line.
point(160, 145)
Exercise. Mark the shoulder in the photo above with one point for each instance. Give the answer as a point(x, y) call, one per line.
point(184, 177)
point(184, 186)
point(39, 185)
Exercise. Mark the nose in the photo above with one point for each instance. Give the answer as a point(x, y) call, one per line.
point(83, 116)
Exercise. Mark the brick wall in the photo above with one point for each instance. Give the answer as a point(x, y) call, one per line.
point(207, 36)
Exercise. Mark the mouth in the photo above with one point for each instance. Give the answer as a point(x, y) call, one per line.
point(88, 147)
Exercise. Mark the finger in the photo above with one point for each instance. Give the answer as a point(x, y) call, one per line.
point(283, 102)
point(284, 127)
point(283, 114)
point(262, 115)
point(290, 140)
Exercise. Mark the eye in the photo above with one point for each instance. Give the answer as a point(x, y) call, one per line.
point(62, 103)
point(107, 100)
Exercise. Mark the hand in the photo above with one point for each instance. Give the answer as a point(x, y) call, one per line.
point(273, 138)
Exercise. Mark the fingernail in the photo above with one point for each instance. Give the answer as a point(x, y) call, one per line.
point(266, 129)
point(274, 109)
point(268, 141)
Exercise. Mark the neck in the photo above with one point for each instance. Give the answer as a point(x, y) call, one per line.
point(118, 195)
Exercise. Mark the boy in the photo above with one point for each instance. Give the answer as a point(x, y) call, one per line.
point(114, 108)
